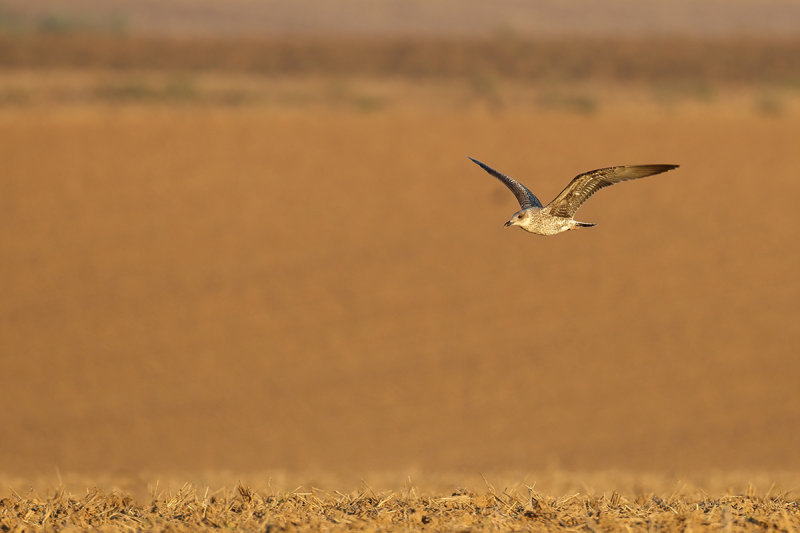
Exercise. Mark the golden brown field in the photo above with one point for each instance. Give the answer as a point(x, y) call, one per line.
point(257, 273)
point(216, 274)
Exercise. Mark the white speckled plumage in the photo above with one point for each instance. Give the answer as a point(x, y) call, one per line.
point(556, 217)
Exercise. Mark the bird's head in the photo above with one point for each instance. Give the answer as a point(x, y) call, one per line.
point(518, 218)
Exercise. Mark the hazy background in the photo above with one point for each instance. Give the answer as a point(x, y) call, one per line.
point(245, 236)
point(462, 18)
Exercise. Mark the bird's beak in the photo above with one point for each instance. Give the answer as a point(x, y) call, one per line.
point(507, 224)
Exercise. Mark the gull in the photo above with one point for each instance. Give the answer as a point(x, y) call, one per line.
point(557, 215)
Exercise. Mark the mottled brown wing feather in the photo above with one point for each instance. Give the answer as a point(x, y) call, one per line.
point(583, 186)
point(525, 197)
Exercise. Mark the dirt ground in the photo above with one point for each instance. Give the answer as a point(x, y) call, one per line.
point(242, 289)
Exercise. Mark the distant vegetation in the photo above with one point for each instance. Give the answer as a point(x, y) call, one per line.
point(12, 23)
point(680, 62)
point(91, 60)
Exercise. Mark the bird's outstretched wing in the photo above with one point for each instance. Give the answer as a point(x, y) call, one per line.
point(525, 197)
point(583, 186)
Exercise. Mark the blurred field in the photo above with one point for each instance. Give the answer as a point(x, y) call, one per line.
point(257, 288)
point(223, 259)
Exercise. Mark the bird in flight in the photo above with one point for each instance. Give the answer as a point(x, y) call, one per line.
point(557, 215)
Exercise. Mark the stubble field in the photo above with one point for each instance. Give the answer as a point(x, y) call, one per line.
point(315, 279)
point(517, 508)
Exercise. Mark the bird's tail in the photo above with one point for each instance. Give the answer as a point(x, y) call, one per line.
point(585, 224)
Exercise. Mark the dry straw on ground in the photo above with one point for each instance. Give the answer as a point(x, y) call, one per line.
point(487, 509)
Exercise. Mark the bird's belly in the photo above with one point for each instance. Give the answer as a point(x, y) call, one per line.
point(548, 225)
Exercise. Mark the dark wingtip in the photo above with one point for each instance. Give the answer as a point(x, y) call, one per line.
point(658, 168)
point(484, 166)
point(667, 168)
